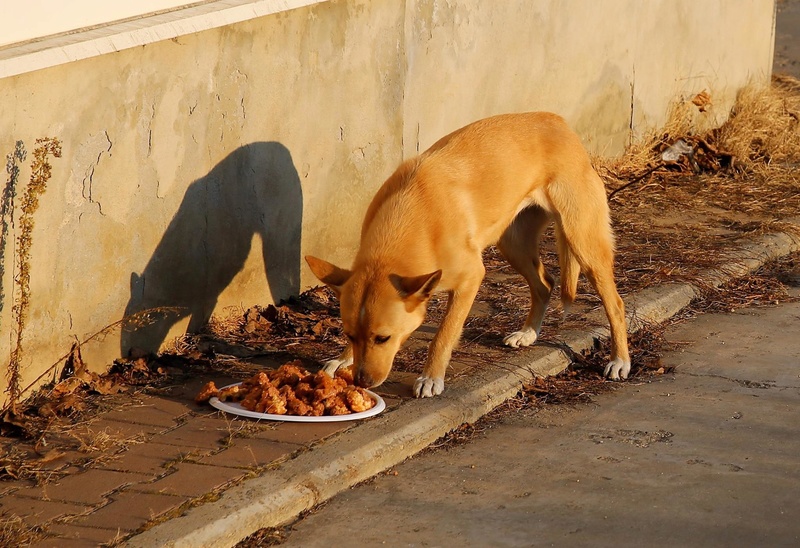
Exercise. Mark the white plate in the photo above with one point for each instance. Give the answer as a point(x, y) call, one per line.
point(235, 408)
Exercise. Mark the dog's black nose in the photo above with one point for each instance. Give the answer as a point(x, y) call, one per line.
point(363, 379)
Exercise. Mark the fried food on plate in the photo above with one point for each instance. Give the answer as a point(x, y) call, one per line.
point(291, 390)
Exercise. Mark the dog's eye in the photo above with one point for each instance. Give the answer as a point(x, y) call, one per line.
point(380, 339)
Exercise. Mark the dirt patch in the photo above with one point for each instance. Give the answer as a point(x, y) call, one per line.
point(307, 326)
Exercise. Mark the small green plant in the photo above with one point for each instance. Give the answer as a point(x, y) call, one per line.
point(41, 170)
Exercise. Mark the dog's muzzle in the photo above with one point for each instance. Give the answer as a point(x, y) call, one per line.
point(364, 380)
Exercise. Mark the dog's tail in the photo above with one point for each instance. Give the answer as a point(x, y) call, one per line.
point(570, 269)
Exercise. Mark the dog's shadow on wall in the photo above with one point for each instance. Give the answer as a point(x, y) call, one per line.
point(254, 190)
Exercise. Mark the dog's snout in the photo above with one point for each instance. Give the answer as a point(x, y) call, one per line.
point(363, 379)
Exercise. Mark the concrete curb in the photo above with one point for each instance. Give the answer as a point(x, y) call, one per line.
point(380, 443)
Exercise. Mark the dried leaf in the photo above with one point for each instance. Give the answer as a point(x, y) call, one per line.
point(13, 419)
point(251, 326)
point(106, 386)
point(47, 410)
point(140, 366)
point(69, 403)
point(74, 362)
point(702, 101)
point(67, 386)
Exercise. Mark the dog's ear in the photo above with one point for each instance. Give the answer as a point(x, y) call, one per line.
point(416, 287)
point(329, 274)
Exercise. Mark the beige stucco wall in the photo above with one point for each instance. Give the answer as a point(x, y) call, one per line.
point(588, 61)
point(197, 172)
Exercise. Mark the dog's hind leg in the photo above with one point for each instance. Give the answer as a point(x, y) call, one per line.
point(583, 229)
point(602, 278)
point(519, 244)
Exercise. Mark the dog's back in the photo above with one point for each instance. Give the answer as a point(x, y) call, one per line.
point(467, 188)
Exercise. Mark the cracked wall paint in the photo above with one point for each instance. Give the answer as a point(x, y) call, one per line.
point(89, 177)
point(78, 192)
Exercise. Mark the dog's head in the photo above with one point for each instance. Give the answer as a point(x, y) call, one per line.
point(379, 311)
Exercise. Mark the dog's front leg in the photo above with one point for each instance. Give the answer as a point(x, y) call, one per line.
point(345, 359)
point(431, 383)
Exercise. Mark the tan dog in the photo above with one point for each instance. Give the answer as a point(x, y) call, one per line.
point(499, 180)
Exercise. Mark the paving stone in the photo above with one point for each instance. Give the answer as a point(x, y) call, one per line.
point(87, 488)
point(399, 383)
point(70, 535)
point(57, 454)
point(457, 368)
point(250, 453)
point(198, 433)
point(36, 511)
point(392, 402)
point(119, 429)
point(8, 487)
point(186, 392)
point(267, 361)
point(62, 462)
point(425, 332)
point(176, 407)
point(302, 432)
point(63, 472)
point(151, 411)
point(149, 458)
point(145, 416)
point(129, 510)
point(191, 480)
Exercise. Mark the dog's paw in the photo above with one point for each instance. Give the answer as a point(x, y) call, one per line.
point(426, 387)
point(331, 366)
point(525, 337)
point(617, 369)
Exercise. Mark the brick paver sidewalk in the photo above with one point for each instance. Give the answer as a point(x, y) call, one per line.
point(184, 454)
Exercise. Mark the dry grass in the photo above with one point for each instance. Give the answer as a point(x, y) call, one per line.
point(15, 532)
point(765, 287)
point(763, 127)
point(674, 221)
point(273, 536)
point(761, 132)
